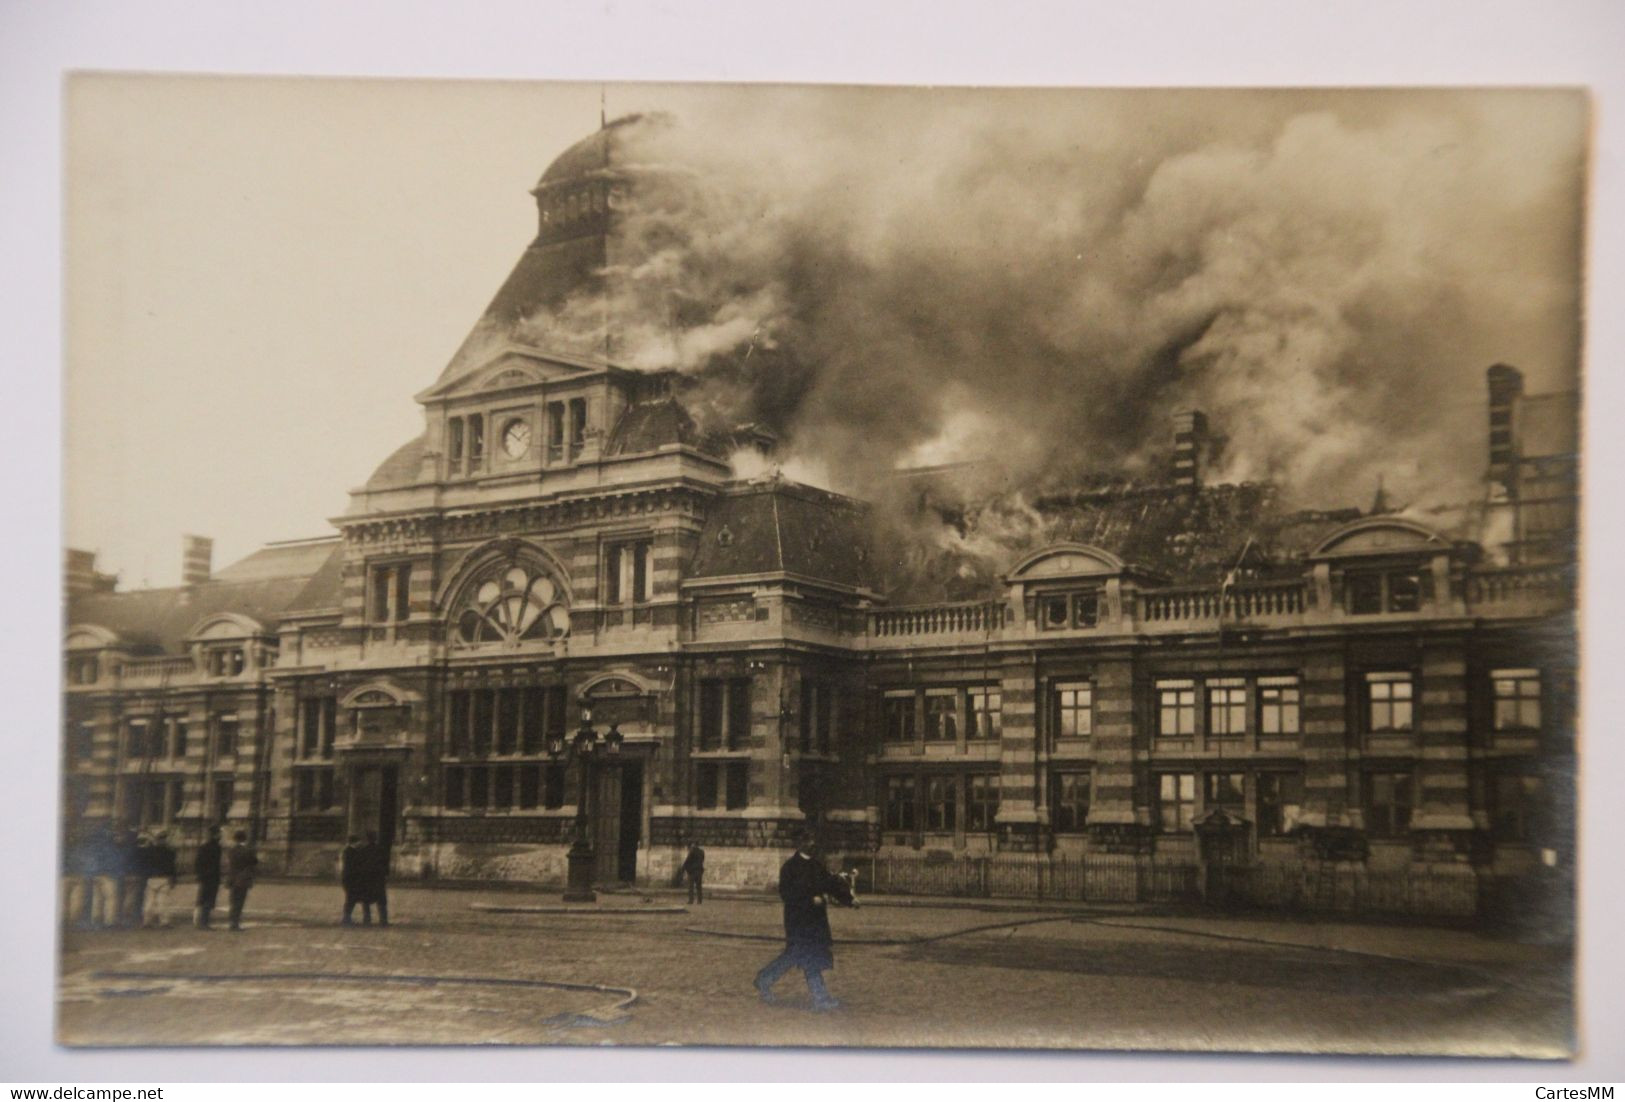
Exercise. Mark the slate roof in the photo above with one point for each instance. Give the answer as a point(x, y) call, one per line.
point(773, 527)
point(401, 467)
point(264, 586)
point(650, 426)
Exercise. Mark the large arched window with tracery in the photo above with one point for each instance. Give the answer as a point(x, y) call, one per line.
point(511, 602)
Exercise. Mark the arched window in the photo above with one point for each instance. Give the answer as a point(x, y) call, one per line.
point(511, 603)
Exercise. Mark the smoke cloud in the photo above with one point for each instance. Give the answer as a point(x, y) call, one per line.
point(1039, 280)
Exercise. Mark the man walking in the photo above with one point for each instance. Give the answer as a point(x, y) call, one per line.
point(207, 867)
point(240, 865)
point(806, 888)
point(161, 879)
point(694, 870)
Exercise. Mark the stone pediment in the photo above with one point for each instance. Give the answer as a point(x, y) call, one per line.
point(1381, 536)
point(1066, 560)
point(509, 368)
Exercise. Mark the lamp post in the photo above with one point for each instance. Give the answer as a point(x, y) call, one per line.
point(584, 747)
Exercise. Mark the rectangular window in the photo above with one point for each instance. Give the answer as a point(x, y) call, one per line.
point(507, 722)
point(313, 789)
point(225, 736)
point(612, 574)
point(476, 441)
point(403, 592)
point(738, 780)
point(1280, 801)
point(480, 736)
point(454, 442)
point(941, 803)
point(640, 572)
point(705, 786)
point(225, 792)
point(823, 697)
point(1374, 591)
point(1069, 802)
point(1226, 707)
point(1074, 709)
point(986, 713)
point(380, 594)
point(1176, 801)
point(310, 737)
point(135, 740)
point(1278, 705)
point(455, 799)
point(530, 787)
point(553, 787)
point(1055, 612)
point(1389, 798)
point(84, 741)
point(1514, 801)
point(578, 424)
point(712, 694)
point(1388, 702)
point(158, 739)
point(1364, 594)
point(479, 786)
point(739, 713)
point(457, 723)
point(1404, 591)
point(941, 715)
point(981, 801)
point(900, 803)
point(1517, 699)
point(626, 573)
point(806, 717)
point(1176, 708)
point(899, 717)
point(1226, 791)
point(555, 430)
point(502, 787)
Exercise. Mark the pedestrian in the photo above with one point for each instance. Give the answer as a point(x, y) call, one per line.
point(694, 870)
point(206, 865)
point(105, 877)
point(161, 880)
point(351, 860)
point(806, 888)
point(240, 865)
point(132, 876)
point(374, 880)
point(77, 888)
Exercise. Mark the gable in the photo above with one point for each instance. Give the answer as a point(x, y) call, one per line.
point(509, 368)
point(1385, 536)
point(1066, 561)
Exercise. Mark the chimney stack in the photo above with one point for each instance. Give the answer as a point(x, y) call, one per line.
point(1506, 388)
point(197, 554)
point(79, 573)
point(1190, 445)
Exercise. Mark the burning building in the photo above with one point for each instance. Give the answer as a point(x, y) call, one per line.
point(1115, 680)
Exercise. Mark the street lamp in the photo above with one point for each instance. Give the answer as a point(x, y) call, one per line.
point(584, 747)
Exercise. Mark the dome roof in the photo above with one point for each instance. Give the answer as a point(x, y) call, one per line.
point(599, 150)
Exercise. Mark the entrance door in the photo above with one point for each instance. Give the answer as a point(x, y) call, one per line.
point(373, 801)
point(606, 823)
point(631, 821)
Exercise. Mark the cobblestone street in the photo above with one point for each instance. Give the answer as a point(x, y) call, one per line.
point(469, 967)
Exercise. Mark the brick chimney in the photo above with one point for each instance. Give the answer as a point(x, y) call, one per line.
point(1506, 388)
point(197, 553)
point(1190, 445)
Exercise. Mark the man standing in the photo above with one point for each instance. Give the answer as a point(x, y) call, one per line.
point(160, 880)
point(375, 879)
point(240, 865)
point(351, 863)
point(207, 867)
point(105, 873)
point(133, 854)
point(806, 888)
point(694, 869)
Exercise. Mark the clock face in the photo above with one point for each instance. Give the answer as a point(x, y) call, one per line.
point(516, 438)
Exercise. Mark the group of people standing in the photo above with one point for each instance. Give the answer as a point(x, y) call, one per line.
point(364, 872)
point(124, 879)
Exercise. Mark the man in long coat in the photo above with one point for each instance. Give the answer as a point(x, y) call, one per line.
point(375, 879)
point(207, 867)
point(351, 873)
point(806, 888)
point(241, 864)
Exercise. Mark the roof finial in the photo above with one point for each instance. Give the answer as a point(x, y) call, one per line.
point(603, 107)
point(1379, 504)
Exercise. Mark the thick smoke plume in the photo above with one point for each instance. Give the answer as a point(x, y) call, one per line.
point(1039, 280)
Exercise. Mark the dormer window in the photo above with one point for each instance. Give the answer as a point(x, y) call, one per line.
point(1060, 611)
point(226, 661)
point(1374, 591)
point(83, 669)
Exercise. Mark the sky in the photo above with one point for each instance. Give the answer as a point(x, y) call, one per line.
point(261, 272)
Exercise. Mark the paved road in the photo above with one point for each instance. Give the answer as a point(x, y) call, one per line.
point(909, 975)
